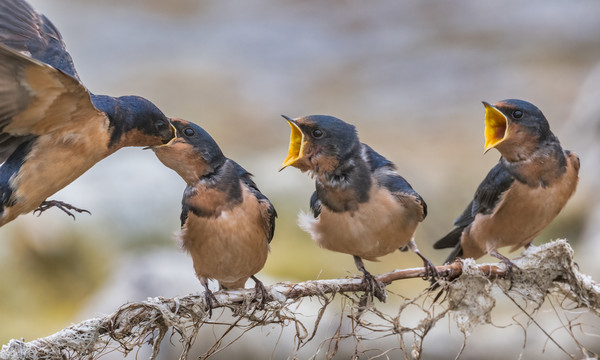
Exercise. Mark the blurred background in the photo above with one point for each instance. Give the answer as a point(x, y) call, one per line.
point(410, 75)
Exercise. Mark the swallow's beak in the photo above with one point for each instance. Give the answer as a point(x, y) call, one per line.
point(496, 126)
point(168, 141)
point(296, 144)
point(173, 133)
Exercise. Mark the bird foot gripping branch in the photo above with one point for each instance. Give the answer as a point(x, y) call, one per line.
point(261, 294)
point(546, 269)
point(373, 288)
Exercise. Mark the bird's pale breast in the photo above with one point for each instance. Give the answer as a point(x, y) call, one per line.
point(524, 212)
point(378, 227)
point(230, 247)
point(54, 162)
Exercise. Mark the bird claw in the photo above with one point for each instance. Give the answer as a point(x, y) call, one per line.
point(260, 291)
point(209, 297)
point(431, 273)
point(374, 287)
point(510, 271)
point(510, 266)
point(45, 205)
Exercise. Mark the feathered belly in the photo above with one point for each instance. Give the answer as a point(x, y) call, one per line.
point(524, 213)
point(379, 227)
point(229, 248)
point(53, 163)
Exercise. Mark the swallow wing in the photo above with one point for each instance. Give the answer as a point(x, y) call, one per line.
point(386, 175)
point(488, 194)
point(37, 99)
point(400, 188)
point(31, 33)
point(185, 206)
point(268, 210)
point(487, 197)
point(315, 205)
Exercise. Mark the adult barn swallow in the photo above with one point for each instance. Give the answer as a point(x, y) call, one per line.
point(361, 205)
point(52, 129)
point(523, 193)
point(226, 222)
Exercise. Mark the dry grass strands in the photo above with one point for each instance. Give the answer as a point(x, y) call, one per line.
point(544, 270)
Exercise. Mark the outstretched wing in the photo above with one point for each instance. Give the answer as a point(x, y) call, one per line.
point(37, 99)
point(31, 33)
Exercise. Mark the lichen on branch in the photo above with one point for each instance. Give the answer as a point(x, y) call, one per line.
point(467, 298)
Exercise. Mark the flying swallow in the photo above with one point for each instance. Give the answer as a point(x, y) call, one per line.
point(226, 222)
point(361, 206)
point(52, 129)
point(522, 193)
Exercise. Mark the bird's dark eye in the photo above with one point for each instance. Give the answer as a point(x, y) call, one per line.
point(160, 125)
point(317, 133)
point(517, 114)
point(188, 131)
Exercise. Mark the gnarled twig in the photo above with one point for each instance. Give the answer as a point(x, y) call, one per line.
point(541, 270)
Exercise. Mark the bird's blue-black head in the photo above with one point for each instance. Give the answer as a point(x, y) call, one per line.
point(193, 153)
point(514, 124)
point(135, 121)
point(319, 143)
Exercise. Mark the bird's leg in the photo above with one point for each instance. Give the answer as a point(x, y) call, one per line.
point(209, 297)
point(261, 292)
point(509, 265)
point(431, 272)
point(45, 205)
point(374, 286)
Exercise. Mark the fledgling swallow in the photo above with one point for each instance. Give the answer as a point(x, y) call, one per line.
point(226, 222)
point(523, 193)
point(52, 129)
point(361, 206)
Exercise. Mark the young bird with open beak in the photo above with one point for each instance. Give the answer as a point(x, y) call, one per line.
point(52, 129)
point(523, 193)
point(226, 222)
point(361, 206)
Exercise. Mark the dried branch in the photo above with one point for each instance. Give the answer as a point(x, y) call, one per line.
point(541, 270)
